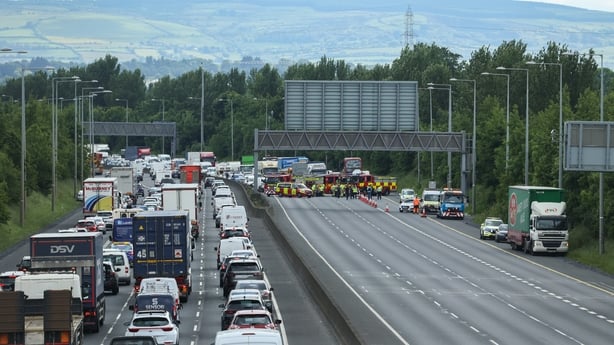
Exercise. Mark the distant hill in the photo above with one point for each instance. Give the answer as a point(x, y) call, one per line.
point(286, 32)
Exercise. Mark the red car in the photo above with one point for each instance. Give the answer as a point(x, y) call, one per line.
point(253, 319)
point(88, 224)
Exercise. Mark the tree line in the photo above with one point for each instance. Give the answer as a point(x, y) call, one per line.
point(259, 93)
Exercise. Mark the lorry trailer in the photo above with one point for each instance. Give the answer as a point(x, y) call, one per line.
point(81, 251)
point(44, 309)
point(163, 248)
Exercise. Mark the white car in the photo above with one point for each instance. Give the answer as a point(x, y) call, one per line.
point(119, 260)
point(80, 195)
point(407, 194)
point(158, 324)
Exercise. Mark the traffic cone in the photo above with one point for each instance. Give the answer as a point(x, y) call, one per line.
point(387, 209)
point(423, 213)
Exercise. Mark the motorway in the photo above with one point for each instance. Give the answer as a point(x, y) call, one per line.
point(390, 278)
point(404, 279)
point(302, 322)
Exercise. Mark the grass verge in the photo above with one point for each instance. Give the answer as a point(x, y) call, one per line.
point(38, 214)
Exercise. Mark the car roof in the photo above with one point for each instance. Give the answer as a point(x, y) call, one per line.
point(252, 312)
point(12, 274)
point(134, 340)
point(148, 313)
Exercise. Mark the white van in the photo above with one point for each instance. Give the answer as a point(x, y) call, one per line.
point(252, 336)
point(233, 217)
point(226, 246)
point(160, 285)
point(120, 260)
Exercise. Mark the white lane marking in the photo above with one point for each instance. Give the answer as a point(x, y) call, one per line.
point(362, 300)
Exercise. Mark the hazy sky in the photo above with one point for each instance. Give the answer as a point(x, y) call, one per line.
point(602, 5)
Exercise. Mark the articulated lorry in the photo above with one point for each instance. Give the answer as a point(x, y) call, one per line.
point(79, 251)
point(537, 220)
point(99, 194)
point(44, 309)
point(182, 196)
point(163, 248)
point(125, 179)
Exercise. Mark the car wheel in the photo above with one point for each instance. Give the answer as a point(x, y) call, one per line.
point(115, 290)
point(481, 235)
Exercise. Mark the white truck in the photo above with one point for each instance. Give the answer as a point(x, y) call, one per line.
point(45, 308)
point(99, 194)
point(125, 179)
point(182, 196)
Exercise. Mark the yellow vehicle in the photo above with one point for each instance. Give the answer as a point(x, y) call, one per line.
point(293, 189)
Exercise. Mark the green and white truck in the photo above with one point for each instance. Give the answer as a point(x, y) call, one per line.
point(537, 220)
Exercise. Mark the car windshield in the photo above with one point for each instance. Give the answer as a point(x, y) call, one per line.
point(252, 320)
point(240, 266)
point(133, 341)
point(493, 222)
point(251, 285)
point(150, 322)
point(453, 198)
point(431, 197)
point(244, 304)
point(122, 247)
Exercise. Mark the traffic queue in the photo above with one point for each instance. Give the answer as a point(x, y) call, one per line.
point(248, 314)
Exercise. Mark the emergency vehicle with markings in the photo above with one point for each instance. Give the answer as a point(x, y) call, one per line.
point(362, 181)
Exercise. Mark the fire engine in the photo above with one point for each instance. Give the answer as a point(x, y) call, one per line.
point(362, 180)
point(270, 181)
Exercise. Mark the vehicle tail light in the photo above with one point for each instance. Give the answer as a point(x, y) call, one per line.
point(126, 270)
point(134, 330)
point(167, 329)
point(266, 293)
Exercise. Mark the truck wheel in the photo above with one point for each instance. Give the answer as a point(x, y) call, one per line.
point(528, 247)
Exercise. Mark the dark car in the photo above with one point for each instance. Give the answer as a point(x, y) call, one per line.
point(240, 302)
point(209, 181)
point(241, 269)
point(501, 234)
point(25, 264)
point(110, 279)
point(176, 173)
point(7, 280)
point(136, 340)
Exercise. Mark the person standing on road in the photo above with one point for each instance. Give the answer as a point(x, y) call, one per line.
point(348, 191)
point(416, 204)
point(369, 192)
point(379, 192)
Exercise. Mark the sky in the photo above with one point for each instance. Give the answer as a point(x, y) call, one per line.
point(601, 5)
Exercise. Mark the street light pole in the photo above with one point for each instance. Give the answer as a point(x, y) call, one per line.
point(232, 127)
point(54, 132)
point(560, 134)
point(82, 110)
point(449, 88)
point(507, 117)
point(431, 122)
point(202, 107)
point(473, 141)
point(526, 132)
point(161, 100)
point(91, 111)
point(124, 100)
